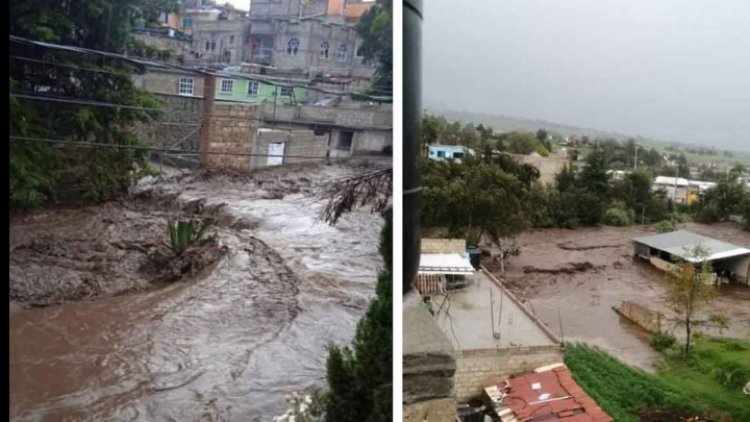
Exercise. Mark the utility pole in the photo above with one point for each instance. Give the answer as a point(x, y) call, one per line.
point(209, 93)
point(674, 191)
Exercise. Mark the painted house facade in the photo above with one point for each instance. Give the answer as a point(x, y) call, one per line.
point(253, 91)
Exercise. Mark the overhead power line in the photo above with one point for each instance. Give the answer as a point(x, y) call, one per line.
point(70, 100)
point(167, 150)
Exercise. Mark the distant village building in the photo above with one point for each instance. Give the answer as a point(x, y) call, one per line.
point(730, 261)
point(549, 167)
point(448, 152)
point(681, 190)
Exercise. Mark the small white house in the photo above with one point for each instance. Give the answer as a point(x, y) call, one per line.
point(448, 152)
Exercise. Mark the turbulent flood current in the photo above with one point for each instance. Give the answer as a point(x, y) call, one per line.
point(118, 339)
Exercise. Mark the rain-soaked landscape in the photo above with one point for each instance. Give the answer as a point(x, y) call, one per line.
point(106, 323)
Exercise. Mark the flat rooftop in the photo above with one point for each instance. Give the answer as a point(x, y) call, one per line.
point(681, 243)
point(467, 318)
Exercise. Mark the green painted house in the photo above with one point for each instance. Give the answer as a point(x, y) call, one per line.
point(249, 91)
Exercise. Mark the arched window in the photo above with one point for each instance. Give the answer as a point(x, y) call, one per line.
point(342, 53)
point(292, 47)
point(324, 49)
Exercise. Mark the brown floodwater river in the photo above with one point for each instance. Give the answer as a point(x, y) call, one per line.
point(228, 343)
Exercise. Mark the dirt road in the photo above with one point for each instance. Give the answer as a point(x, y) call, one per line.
point(224, 342)
point(573, 278)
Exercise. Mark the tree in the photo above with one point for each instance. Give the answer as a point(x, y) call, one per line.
point(721, 201)
point(376, 30)
point(507, 246)
point(689, 293)
point(521, 143)
point(474, 199)
point(432, 129)
point(38, 172)
point(360, 377)
point(594, 186)
point(635, 191)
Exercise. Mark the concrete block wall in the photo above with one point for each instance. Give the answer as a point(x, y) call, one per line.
point(297, 143)
point(474, 367)
point(232, 132)
point(167, 83)
point(184, 116)
point(646, 318)
point(444, 246)
point(370, 141)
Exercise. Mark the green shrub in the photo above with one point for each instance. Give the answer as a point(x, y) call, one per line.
point(681, 217)
point(182, 234)
point(709, 213)
point(662, 341)
point(617, 216)
point(666, 226)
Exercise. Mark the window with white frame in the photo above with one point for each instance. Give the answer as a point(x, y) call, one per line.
point(227, 86)
point(287, 91)
point(324, 47)
point(252, 87)
point(292, 47)
point(186, 86)
point(342, 53)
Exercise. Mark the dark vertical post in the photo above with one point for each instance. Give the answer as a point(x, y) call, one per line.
point(412, 89)
point(209, 93)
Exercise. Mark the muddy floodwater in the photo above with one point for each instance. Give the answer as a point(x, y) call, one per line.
point(572, 278)
point(247, 322)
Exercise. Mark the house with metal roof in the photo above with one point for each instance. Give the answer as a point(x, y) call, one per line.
point(727, 260)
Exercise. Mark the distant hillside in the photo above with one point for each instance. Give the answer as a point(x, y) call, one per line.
point(509, 124)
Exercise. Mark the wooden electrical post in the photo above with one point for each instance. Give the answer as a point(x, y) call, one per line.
point(209, 92)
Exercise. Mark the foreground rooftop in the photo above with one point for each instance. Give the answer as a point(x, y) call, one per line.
point(484, 315)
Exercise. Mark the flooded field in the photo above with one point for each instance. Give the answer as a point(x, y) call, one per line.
point(247, 321)
point(573, 278)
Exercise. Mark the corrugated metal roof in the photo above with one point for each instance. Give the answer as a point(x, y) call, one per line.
point(550, 395)
point(444, 263)
point(682, 242)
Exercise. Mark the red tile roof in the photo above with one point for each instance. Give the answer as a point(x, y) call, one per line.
point(566, 402)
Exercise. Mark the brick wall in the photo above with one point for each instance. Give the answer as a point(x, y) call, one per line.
point(473, 367)
point(232, 131)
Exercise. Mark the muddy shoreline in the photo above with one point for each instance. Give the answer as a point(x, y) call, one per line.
point(91, 252)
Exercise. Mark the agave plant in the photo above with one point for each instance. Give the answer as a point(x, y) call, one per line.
point(182, 233)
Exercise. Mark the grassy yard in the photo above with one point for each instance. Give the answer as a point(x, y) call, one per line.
point(708, 384)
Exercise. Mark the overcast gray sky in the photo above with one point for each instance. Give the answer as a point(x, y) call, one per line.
point(668, 69)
